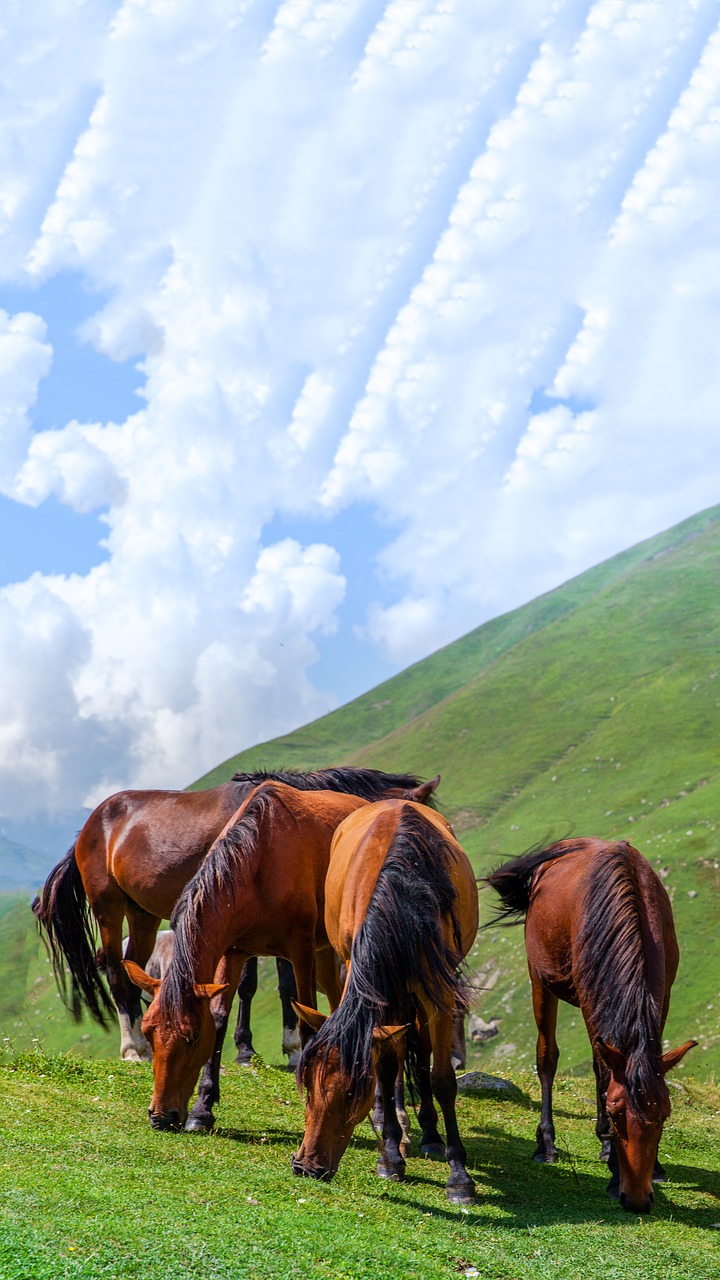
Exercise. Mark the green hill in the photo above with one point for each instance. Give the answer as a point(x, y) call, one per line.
point(593, 710)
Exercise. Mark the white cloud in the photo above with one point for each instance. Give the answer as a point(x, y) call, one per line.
point(350, 244)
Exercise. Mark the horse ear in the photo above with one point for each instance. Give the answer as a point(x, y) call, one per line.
point(425, 790)
point(673, 1056)
point(313, 1017)
point(206, 990)
point(381, 1034)
point(612, 1057)
point(141, 978)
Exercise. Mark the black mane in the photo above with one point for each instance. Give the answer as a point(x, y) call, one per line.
point(397, 948)
point(610, 971)
point(227, 863)
point(369, 784)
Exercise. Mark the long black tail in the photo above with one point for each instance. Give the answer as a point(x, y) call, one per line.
point(63, 912)
point(398, 949)
point(513, 880)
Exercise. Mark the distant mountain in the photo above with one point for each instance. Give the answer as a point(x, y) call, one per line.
point(20, 867)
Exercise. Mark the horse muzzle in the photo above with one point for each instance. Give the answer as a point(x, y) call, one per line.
point(637, 1208)
point(171, 1120)
point(306, 1169)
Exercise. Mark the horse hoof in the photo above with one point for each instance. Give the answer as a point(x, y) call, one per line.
point(613, 1191)
point(464, 1194)
point(659, 1174)
point(432, 1151)
point(545, 1157)
point(244, 1057)
point(393, 1172)
point(293, 1059)
point(198, 1124)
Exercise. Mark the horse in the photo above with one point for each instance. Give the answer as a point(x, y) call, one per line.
point(132, 860)
point(259, 891)
point(401, 911)
point(599, 935)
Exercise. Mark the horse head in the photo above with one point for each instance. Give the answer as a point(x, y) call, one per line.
point(181, 1041)
point(637, 1118)
point(331, 1110)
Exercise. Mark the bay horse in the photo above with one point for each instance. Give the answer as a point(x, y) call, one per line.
point(401, 911)
point(132, 860)
point(599, 934)
point(259, 891)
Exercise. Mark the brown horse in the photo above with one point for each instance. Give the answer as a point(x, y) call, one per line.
point(259, 891)
point(599, 934)
point(401, 911)
point(132, 860)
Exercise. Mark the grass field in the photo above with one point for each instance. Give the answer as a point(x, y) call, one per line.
point(87, 1189)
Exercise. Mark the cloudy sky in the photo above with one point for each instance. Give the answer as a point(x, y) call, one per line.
point(329, 329)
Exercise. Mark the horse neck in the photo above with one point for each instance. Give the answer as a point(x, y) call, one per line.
point(619, 965)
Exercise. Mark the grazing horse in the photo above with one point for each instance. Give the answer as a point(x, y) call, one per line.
point(132, 860)
point(401, 910)
point(259, 891)
point(599, 934)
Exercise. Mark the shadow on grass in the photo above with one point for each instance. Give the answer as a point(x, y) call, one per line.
point(532, 1195)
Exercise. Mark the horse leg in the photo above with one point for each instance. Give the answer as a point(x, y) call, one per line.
point(431, 1144)
point(143, 929)
point(603, 1128)
point(201, 1118)
point(545, 1007)
point(391, 1163)
point(378, 1111)
point(459, 1048)
point(459, 1188)
point(402, 1114)
point(288, 992)
point(302, 957)
point(247, 987)
point(109, 911)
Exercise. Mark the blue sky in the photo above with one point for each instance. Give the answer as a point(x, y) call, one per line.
point(329, 330)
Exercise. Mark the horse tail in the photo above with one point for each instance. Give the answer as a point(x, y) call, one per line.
point(400, 948)
point(513, 880)
point(63, 913)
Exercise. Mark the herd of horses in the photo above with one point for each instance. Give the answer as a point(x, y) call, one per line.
point(351, 877)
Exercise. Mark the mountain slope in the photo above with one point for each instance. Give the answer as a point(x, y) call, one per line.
point(594, 709)
point(20, 867)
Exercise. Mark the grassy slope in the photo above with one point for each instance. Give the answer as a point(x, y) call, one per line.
point(594, 709)
point(88, 1190)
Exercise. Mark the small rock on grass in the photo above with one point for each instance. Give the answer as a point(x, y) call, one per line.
point(472, 1081)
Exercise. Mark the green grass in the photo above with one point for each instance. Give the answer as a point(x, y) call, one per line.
point(87, 1189)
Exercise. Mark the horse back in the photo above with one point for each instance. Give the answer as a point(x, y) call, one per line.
point(358, 852)
point(150, 843)
point(568, 895)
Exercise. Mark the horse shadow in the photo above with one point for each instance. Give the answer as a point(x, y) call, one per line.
point(529, 1194)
